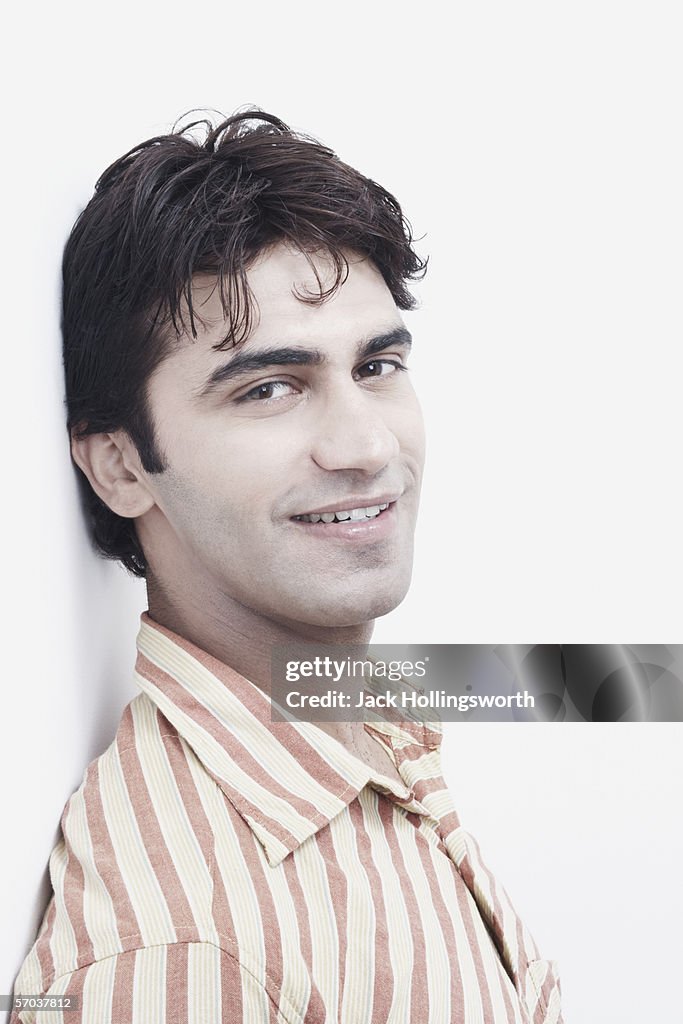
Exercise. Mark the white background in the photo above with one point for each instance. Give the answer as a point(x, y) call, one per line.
point(537, 148)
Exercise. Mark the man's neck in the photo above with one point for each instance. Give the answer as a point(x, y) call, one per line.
point(243, 639)
point(239, 636)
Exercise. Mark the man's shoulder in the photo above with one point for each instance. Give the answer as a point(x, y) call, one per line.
point(145, 751)
point(134, 863)
point(146, 790)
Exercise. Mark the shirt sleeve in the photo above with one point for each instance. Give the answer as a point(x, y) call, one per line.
point(180, 983)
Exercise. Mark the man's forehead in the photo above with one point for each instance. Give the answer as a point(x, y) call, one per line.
point(280, 284)
point(290, 282)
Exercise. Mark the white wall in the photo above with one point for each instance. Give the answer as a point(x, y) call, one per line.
point(537, 148)
point(581, 824)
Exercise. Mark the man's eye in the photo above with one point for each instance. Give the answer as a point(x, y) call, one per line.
point(379, 368)
point(273, 389)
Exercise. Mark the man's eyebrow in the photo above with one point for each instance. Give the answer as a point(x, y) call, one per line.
point(400, 336)
point(245, 363)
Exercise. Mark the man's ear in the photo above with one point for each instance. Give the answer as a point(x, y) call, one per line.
point(112, 465)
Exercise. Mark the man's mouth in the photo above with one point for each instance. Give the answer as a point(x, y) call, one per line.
point(355, 515)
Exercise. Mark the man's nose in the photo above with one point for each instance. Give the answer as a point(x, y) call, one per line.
point(352, 432)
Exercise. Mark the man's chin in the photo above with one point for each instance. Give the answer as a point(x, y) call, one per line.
point(348, 609)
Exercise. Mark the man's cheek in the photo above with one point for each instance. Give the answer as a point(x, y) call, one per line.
point(411, 436)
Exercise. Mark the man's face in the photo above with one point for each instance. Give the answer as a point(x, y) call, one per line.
point(257, 445)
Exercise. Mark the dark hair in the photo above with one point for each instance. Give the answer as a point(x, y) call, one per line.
point(202, 199)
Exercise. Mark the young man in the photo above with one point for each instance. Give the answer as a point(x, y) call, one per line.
point(250, 443)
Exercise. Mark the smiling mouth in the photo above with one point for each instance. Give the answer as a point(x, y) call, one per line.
point(354, 515)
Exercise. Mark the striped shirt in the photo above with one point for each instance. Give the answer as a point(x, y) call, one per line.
point(217, 866)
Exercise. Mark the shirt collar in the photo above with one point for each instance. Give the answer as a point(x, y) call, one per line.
point(286, 779)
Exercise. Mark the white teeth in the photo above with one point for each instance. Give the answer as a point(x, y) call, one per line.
point(354, 514)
